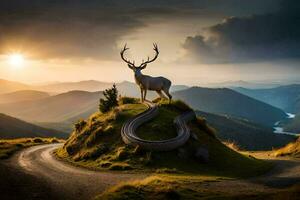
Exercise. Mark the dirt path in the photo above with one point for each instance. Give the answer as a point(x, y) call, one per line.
point(38, 175)
point(286, 173)
point(68, 181)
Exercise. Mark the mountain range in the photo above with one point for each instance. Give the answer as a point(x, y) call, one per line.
point(229, 102)
point(11, 127)
point(245, 134)
point(286, 97)
point(238, 117)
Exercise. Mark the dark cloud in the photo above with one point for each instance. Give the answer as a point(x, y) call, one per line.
point(90, 28)
point(247, 39)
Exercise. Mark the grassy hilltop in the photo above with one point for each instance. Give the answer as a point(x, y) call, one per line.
point(96, 143)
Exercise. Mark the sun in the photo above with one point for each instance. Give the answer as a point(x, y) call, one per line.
point(16, 60)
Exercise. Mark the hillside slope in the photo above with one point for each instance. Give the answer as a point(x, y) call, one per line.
point(292, 149)
point(96, 143)
point(54, 108)
point(14, 128)
point(245, 134)
point(11, 86)
point(22, 95)
point(284, 97)
point(228, 102)
point(89, 85)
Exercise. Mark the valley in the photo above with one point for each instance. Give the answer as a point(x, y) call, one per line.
point(93, 160)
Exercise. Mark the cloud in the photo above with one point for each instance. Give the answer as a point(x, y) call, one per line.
point(91, 28)
point(246, 39)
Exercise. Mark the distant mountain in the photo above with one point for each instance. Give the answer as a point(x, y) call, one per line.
point(89, 85)
point(228, 102)
point(22, 95)
point(285, 97)
point(14, 128)
point(241, 83)
point(246, 134)
point(11, 86)
point(54, 108)
point(293, 125)
point(131, 89)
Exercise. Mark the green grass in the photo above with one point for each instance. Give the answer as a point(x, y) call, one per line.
point(9, 146)
point(97, 144)
point(173, 187)
point(163, 123)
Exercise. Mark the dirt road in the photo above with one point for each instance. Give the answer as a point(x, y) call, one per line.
point(34, 173)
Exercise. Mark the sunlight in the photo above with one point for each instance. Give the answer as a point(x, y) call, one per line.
point(16, 60)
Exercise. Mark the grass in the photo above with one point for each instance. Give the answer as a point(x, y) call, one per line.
point(160, 187)
point(97, 144)
point(9, 146)
point(292, 149)
point(175, 187)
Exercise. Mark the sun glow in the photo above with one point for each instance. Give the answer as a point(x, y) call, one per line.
point(16, 60)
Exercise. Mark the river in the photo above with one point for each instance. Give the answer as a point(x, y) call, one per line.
point(280, 130)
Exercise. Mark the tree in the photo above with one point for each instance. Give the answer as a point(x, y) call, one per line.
point(110, 99)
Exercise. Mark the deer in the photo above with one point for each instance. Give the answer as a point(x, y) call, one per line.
point(159, 84)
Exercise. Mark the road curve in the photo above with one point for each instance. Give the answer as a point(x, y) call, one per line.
point(67, 180)
point(73, 183)
point(183, 131)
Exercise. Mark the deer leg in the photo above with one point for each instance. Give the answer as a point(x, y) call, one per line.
point(142, 95)
point(145, 93)
point(168, 94)
point(161, 95)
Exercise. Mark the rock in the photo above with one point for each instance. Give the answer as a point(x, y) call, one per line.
point(202, 154)
point(182, 153)
point(194, 136)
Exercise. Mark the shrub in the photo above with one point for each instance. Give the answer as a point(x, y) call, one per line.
point(37, 140)
point(110, 99)
point(54, 140)
point(80, 125)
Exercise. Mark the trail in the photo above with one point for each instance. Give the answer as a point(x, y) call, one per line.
point(183, 131)
point(66, 180)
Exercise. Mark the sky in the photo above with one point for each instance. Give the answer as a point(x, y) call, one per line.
point(200, 41)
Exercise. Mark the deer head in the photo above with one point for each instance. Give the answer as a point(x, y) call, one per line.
point(143, 65)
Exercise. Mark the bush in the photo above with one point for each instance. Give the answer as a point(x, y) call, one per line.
point(37, 140)
point(110, 99)
point(80, 125)
point(54, 140)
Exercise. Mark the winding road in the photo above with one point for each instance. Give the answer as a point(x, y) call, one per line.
point(68, 181)
point(52, 176)
point(35, 173)
point(183, 131)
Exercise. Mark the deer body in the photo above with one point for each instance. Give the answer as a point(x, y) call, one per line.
point(146, 82)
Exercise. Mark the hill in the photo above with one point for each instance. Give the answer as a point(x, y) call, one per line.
point(245, 134)
point(292, 149)
point(228, 102)
point(241, 83)
point(89, 85)
point(292, 125)
point(22, 95)
point(11, 86)
point(14, 128)
point(96, 143)
point(54, 108)
point(285, 97)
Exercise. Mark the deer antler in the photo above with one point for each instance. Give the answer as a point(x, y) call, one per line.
point(130, 64)
point(144, 64)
